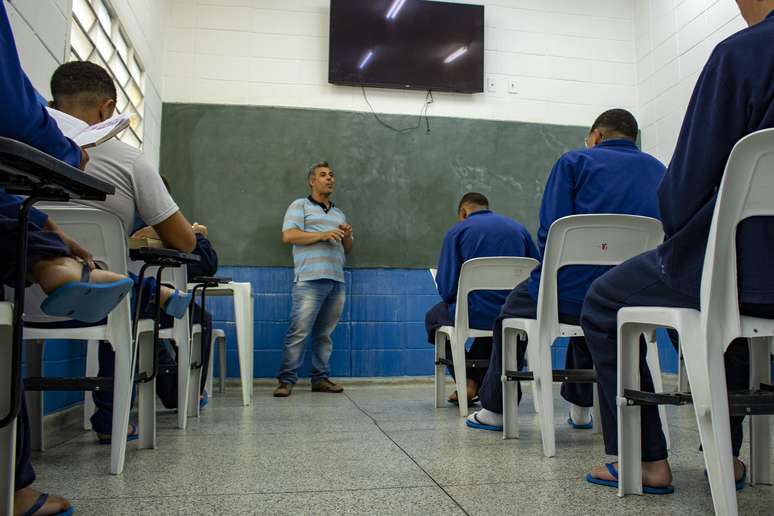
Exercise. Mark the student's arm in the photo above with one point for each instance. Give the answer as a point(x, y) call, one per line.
point(530, 249)
point(449, 266)
point(22, 117)
point(176, 233)
point(297, 237)
point(716, 119)
point(558, 198)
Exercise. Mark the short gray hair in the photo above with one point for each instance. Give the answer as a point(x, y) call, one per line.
point(314, 167)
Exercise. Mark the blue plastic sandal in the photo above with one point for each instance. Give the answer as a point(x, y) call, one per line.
point(587, 426)
point(40, 502)
point(742, 481)
point(177, 304)
point(84, 301)
point(614, 483)
point(204, 400)
point(481, 426)
point(131, 436)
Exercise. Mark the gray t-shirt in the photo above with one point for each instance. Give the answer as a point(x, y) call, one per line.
point(139, 189)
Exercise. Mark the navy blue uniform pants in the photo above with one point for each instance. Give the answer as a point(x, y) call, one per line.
point(480, 349)
point(637, 282)
point(40, 245)
point(520, 304)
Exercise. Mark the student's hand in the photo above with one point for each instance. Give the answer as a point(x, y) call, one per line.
point(77, 250)
point(200, 229)
point(347, 229)
point(84, 159)
point(335, 235)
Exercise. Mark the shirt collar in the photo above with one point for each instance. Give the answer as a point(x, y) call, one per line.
point(619, 142)
point(325, 208)
point(479, 212)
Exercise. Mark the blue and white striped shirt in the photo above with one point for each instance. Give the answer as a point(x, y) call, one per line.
point(321, 260)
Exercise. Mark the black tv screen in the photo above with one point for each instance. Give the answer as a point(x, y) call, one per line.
point(416, 44)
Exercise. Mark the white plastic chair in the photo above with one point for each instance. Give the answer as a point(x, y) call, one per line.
point(747, 190)
point(102, 233)
point(596, 239)
point(8, 433)
point(492, 273)
point(219, 341)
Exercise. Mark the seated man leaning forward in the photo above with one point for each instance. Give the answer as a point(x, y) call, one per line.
point(86, 91)
point(734, 97)
point(611, 176)
point(480, 232)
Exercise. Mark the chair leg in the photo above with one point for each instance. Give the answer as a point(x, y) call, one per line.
point(222, 365)
point(123, 383)
point(243, 317)
point(760, 430)
point(183, 382)
point(8, 433)
point(146, 394)
point(195, 379)
point(533, 357)
point(211, 366)
point(440, 370)
point(682, 376)
point(35, 398)
point(458, 357)
point(629, 417)
point(654, 365)
point(544, 378)
point(706, 372)
point(92, 370)
point(510, 388)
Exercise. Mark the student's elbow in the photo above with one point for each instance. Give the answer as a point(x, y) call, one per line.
point(189, 242)
point(286, 237)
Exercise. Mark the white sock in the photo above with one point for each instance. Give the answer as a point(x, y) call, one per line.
point(580, 415)
point(487, 417)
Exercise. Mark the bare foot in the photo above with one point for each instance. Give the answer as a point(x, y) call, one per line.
point(131, 431)
point(654, 474)
point(24, 499)
point(472, 388)
point(739, 469)
point(52, 274)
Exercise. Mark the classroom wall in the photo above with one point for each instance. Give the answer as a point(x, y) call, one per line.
point(571, 59)
point(674, 39)
point(42, 32)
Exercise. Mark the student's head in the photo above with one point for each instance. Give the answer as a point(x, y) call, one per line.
point(755, 11)
point(321, 179)
point(84, 90)
point(614, 124)
point(471, 202)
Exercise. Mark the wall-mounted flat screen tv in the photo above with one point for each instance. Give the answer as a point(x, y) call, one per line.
point(418, 44)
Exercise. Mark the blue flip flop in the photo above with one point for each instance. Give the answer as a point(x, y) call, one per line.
point(587, 426)
point(742, 481)
point(481, 426)
point(614, 483)
point(40, 502)
point(470, 401)
point(84, 301)
point(133, 436)
point(204, 400)
point(177, 304)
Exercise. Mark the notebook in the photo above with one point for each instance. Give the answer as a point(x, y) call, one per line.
point(86, 135)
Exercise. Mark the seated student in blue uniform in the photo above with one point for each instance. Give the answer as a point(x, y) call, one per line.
point(611, 176)
point(51, 260)
point(480, 232)
point(733, 97)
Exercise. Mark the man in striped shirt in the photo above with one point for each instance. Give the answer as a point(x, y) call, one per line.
point(321, 237)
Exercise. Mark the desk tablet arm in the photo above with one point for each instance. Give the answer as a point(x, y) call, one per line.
point(28, 171)
point(203, 283)
point(161, 258)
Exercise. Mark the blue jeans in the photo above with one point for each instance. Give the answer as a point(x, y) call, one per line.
point(316, 310)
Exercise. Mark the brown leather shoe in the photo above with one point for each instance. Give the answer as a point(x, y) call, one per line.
point(283, 390)
point(327, 386)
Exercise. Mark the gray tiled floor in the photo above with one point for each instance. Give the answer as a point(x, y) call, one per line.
point(380, 449)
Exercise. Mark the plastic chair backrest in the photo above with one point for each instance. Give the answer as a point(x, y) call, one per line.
point(99, 231)
point(490, 273)
point(594, 239)
point(747, 190)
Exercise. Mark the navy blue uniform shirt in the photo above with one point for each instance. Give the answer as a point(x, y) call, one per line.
point(482, 234)
point(23, 118)
point(734, 97)
point(613, 177)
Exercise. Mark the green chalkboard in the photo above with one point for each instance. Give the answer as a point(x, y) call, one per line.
point(237, 168)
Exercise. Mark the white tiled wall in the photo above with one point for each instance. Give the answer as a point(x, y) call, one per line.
point(41, 29)
point(571, 58)
point(674, 38)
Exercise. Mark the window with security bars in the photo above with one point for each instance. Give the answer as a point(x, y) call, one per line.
point(97, 36)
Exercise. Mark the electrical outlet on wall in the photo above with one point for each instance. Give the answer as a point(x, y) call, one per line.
point(513, 86)
point(491, 84)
